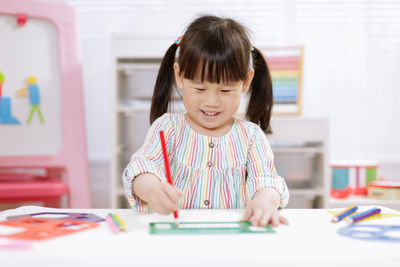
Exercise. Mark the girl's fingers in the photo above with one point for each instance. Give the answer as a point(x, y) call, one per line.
point(160, 207)
point(170, 205)
point(257, 216)
point(166, 200)
point(171, 192)
point(247, 214)
point(165, 205)
point(275, 220)
point(264, 219)
point(178, 192)
point(283, 220)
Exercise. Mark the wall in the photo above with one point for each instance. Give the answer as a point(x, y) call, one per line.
point(351, 73)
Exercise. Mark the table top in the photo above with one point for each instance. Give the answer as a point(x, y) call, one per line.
point(310, 239)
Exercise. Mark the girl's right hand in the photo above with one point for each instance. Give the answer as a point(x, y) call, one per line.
point(164, 198)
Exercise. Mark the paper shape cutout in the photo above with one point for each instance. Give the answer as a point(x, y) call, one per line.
point(85, 217)
point(207, 228)
point(40, 229)
point(372, 232)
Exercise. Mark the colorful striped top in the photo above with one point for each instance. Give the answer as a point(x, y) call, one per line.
point(212, 172)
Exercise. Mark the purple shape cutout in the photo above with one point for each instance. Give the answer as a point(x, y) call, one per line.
point(85, 217)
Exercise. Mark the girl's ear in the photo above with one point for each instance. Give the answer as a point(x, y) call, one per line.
point(178, 78)
point(247, 82)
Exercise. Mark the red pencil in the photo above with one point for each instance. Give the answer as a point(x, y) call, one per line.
point(167, 170)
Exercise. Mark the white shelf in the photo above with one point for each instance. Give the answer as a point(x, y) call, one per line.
point(127, 110)
point(362, 200)
point(138, 105)
point(300, 150)
point(306, 192)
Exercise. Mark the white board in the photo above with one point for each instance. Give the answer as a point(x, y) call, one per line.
point(26, 50)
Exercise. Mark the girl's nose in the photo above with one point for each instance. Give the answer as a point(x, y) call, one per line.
point(212, 99)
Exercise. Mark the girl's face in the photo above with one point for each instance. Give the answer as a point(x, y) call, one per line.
point(210, 107)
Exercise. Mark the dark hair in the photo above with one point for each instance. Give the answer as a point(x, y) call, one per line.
point(216, 50)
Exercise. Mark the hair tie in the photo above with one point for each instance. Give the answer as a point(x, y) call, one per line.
point(178, 41)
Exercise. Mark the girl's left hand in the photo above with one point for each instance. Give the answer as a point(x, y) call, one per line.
point(263, 209)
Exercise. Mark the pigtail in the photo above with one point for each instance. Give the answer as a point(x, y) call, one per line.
point(164, 84)
point(261, 99)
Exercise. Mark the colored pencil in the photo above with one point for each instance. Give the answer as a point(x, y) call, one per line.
point(167, 170)
point(363, 215)
point(339, 216)
point(112, 225)
point(116, 222)
point(121, 222)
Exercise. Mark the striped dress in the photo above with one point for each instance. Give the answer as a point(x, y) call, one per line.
point(212, 172)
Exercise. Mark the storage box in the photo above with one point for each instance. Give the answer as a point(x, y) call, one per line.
point(296, 169)
point(352, 177)
point(138, 81)
point(135, 128)
point(301, 201)
point(389, 190)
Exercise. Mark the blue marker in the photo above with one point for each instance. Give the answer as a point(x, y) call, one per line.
point(338, 217)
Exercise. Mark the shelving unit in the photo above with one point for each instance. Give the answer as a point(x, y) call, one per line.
point(300, 144)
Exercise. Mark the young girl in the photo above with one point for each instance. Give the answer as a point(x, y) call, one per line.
point(217, 161)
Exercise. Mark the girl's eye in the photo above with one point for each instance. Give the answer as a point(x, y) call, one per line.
point(199, 89)
point(225, 91)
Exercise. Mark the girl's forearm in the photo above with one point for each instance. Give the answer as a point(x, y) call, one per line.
point(143, 185)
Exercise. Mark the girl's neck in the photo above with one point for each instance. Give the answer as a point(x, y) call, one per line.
point(214, 132)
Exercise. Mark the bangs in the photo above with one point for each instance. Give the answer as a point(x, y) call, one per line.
point(214, 63)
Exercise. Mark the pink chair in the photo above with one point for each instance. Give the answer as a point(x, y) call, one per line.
point(66, 172)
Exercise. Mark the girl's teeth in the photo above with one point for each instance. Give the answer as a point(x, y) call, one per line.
point(210, 113)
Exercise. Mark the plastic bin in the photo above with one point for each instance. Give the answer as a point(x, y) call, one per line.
point(297, 169)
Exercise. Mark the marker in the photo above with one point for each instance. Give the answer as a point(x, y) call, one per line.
point(363, 215)
point(339, 216)
point(112, 225)
point(167, 170)
point(116, 222)
point(121, 222)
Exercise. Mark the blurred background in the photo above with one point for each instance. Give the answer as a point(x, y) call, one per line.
point(350, 71)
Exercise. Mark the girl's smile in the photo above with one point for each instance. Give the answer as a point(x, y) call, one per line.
point(210, 114)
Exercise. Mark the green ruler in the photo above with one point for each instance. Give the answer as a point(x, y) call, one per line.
point(169, 228)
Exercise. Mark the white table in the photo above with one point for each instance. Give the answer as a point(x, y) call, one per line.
point(310, 240)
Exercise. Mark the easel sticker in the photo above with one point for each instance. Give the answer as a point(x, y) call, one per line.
point(32, 91)
point(5, 105)
point(170, 228)
point(41, 229)
point(85, 217)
